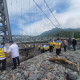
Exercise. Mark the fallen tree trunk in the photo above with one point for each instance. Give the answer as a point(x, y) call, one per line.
point(63, 60)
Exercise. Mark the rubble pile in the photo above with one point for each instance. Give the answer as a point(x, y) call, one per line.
point(40, 68)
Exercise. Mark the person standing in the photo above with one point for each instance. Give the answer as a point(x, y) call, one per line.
point(3, 56)
point(14, 54)
point(74, 43)
point(58, 44)
point(51, 45)
point(42, 48)
point(69, 43)
point(38, 46)
point(64, 45)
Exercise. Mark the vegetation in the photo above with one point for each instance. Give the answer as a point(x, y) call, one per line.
point(57, 32)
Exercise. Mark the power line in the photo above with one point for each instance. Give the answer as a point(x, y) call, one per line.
point(44, 14)
point(52, 13)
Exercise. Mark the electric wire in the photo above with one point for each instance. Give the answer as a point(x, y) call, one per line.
point(52, 13)
point(44, 14)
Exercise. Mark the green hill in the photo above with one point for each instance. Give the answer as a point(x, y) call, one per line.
point(58, 32)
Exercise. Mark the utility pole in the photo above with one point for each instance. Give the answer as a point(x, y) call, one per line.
point(5, 31)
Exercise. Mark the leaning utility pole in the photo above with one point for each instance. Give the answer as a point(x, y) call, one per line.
point(5, 31)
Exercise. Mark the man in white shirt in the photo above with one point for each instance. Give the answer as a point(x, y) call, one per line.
point(3, 56)
point(14, 53)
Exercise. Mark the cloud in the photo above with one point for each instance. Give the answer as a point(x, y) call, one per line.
point(32, 21)
point(70, 18)
point(18, 7)
point(36, 28)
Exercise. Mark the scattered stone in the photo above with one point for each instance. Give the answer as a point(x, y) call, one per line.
point(72, 75)
point(35, 77)
point(30, 74)
point(26, 74)
point(78, 78)
point(39, 68)
point(44, 79)
point(50, 76)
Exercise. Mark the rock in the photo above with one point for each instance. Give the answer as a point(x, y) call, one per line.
point(44, 79)
point(50, 76)
point(72, 75)
point(26, 74)
point(30, 74)
point(18, 74)
point(78, 78)
point(35, 77)
point(56, 78)
point(39, 68)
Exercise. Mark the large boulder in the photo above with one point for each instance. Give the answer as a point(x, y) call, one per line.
point(78, 78)
point(71, 75)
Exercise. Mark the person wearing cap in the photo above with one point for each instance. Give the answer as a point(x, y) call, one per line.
point(65, 45)
point(74, 43)
point(14, 53)
point(3, 56)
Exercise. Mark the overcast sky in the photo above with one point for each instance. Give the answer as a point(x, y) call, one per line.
point(27, 19)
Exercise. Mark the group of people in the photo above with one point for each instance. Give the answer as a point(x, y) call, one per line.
point(14, 50)
point(71, 42)
point(57, 44)
point(27, 47)
point(43, 48)
point(13, 54)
